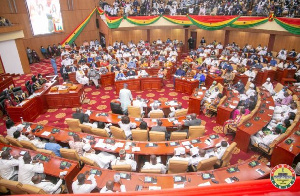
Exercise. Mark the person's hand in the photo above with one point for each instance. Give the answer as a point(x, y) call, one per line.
point(61, 177)
point(35, 161)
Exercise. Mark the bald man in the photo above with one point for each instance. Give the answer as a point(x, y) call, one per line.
point(50, 188)
point(125, 97)
point(27, 168)
point(153, 164)
point(109, 187)
point(79, 186)
point(36, 141)
point(53, 146)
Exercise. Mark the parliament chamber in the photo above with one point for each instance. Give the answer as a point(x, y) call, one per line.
point(168, 102)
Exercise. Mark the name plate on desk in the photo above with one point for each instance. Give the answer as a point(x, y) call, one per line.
point(174, 143)
point(179, 179)
point(214, 137)
point(151, 145)
point(253, 164)
point(150, 180)
point(102, 114)
point(206, 176)
point(109, 141)
point(289, 141)
point(95, 172)
point(195, 141)
point(39, 127)
point(124, 176)
point(64, 165)
point(41, 157)
point(232, 169)
point(297, 133)
point(55, 130)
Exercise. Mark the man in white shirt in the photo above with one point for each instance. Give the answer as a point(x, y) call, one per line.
point(10, 128)
point(268, 86)
point(153, 164)
point(139, 103)
point(155, 109)
point(47, 186)
point(125, 97)
point(79, 186)
point(260, 137)
point(102, 159)
point(220, 149)
point(36, 141)
point(122, 160)
point(7, 166)
point(109, 187)
point(19, 136)
point(251, 74)
point(27, 168)
point(179, 154)
point(142, 72)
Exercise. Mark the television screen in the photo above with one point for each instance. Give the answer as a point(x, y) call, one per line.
point(45, 16)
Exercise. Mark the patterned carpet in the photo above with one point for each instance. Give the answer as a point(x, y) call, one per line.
point(100, 101)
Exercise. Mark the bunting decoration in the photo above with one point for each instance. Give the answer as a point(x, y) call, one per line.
point(180, 20)
point(211, 23)
point(142, 20)
point(247, 22)
point(292, 25)
point(113, 22)
point(75, 33)
point(100, 11)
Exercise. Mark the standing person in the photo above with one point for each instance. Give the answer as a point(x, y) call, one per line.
point(53, 63)
point(125, 98)
point(29, 55)
point(191, 43)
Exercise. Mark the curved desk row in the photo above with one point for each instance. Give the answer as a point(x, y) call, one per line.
point(115, 145)
point(139, 181)
point(6, 82)
point(140, 84)
point(51, 167)
point(259, 120)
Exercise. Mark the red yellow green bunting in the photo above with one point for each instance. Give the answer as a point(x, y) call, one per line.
point(292, 25)
point(247, 22)
point(212, 22)
point(113, 22)
point(142, 20)
point(180, 20)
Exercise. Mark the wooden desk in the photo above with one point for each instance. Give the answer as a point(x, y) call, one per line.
point(262, 76)
point(6, 82)
point(149, 83)
point(70, 99)
point(282, 153)
point(284, 73)
point(107, 79)
point(133, 84)
point(195, 101)
point(51, 168)
point(264, 115)
point(242, 77)
point(186, 85)
point(166, 181)
point(211, 78)
point(225, 110)
point(161, 148)
point(32, 107)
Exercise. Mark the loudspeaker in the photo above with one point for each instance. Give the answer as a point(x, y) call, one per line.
point(97, 23)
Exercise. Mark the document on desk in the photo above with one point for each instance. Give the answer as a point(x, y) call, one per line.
point(205, 184)
point(136, 149)
point(154, 188)
point(119, 145)
point(100, 144)
point(46, 133)
point(207, 142)
point(63, 173)
point(176, 186)
point(186, 143)
point(228, 180)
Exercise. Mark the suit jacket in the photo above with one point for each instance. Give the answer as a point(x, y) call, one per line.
point(161, 129)
point(79, 116)
point(195, 122)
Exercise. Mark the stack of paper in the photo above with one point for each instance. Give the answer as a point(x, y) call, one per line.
point(154, 188)
point(186, 143)
point(46, 133)
point(178, 186)
point(136, 149)
point(228, 180)
point(207, 142)
point(205, 184)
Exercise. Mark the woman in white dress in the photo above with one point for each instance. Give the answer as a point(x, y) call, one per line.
point(81, 78)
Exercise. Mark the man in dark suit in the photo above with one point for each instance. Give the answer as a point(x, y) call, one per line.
point(78, 115)
point(193, 121)
point(131, 72)
point(160, 128)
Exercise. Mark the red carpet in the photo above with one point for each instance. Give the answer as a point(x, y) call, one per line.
point(100, 101)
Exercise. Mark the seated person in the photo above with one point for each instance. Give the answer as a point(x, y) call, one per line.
point(220, 149)
point(10, 128)
point(8, 165)
point(81, 186)
point(36, 141)
point(53, 146)
point(126, 125)
point(28, 168)
point(20, 96)
point(102, 159)
point(35, 84)
point(268, 86)
point(109, 187)
point(94, 76)
point(228, 76)
point(139, 103)
point(160, 128)
point(178, 108)
point(232, 123)
point(130, 73)
point(155, 109)
point(77, 143)
point(179, 155)
point(213, 105)
point(123, 160)
point(153, 164)
point(41, 79)
point(81, 78)
point(264, 138)
point(47, 186)
point(200, 76)
point(142, 73)
point(251, 74)
point(18, 135)
point(143, 126)
point(162, 72)
point(192, 120)
point(120, 76)
point(78, 115)
point(240, 87)
point(86, 121)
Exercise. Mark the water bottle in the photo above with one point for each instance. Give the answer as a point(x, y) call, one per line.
point(21, 119)
point(291, 148)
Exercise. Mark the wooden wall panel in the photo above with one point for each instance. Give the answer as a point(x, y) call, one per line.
point(126, 36)
point(286, 42)
point(210, 36)
point(242, 38)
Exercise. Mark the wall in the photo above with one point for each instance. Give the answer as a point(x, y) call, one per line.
point(71, 19)
point(210, 36)
point(126, 36)
point(286, 42)
point(164, 34)
point(242, 38)
point(10, 57)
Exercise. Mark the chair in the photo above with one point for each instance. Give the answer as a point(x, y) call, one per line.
point(207, 164)
point(13, 141)
point(196, 131)
point(69, 154)
point(156, 136)
point(28, 145)
point(178, 136)
point(134, 111)
point(28, 87)
point(73, 124)
point(118, 133)
point(224, 162)
point(214, 109)
point(126, 167)
point(152, 171)
point(3, 140)
point(177, 166)
point(247, 85)
point(86, 128)
point(221, 87)
point(49, 152)
point(139, 135)
point(88, 161)
point(116, 108)
point(278, 87)
point(30, 189)
point(182, 112)
point(14, 186)
point(158, 114)
point(99, 132)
